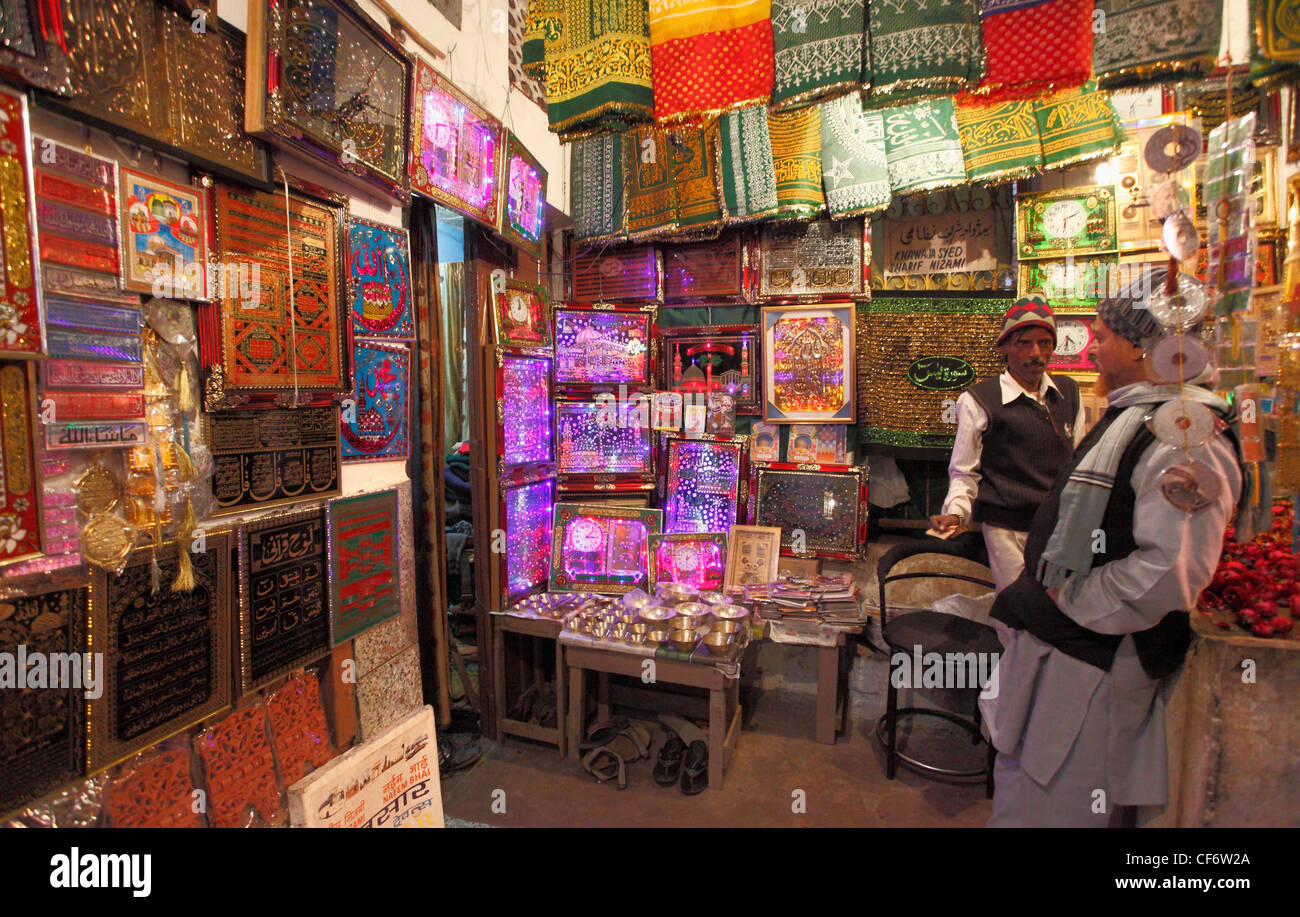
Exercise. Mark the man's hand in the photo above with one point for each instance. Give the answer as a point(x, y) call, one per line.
point(946, 525)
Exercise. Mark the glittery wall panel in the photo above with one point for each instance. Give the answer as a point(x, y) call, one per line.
point(608, 275)
point(593, 347)
point(154, 792)
point(389, 693)
point(899, 331)
point(377, 428)
point(456, 146)
point(588, 445)
point(386, 639)
point(702, 486)
point(40, 729)
point(117, 67)
point(20, 323)
point(20, 510)
point(823, 505)
point(239, 771)
point(379, 280)
point(528, 537)
point(526, 410)
point(699, 270)
point(299, 732)
point(363, 563)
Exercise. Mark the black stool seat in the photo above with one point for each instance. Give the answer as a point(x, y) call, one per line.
point(936, 632)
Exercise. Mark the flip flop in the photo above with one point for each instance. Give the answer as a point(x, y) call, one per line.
point(611, 759)
point(668, 769)
point(600, 733)
point(695, 770)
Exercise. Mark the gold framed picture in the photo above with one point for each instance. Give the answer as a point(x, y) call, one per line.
point(753, 554)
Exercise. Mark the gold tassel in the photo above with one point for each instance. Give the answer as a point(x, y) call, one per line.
point(184, 394)
point(185, 567)
point(184, 467)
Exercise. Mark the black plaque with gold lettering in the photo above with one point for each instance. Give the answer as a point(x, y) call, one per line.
point(166, 654)
point(283, 595)
point(267, 458)
point(42, 631)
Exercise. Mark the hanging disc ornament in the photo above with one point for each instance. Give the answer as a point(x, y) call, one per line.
point(98, 490)
point(1190, 486)
point(1178, 359)
point(1167, 198)
point(1180, 236)
point(1182, 308)
point(1172, 148)
point(1182, 423)
point(106, 541)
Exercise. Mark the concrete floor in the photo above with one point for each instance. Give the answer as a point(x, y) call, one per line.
point(843, 785)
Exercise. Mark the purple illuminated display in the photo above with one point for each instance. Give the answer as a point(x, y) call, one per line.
point(526, 410)
point(699, 563)
point(601, 346)
point(599, 439)
point(528, 538)
point(702, 486)
point(458, 148)
point(605, 550)
point(524, 198)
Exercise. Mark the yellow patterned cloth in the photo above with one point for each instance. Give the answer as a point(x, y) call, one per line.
point(797, 156)
point(598, 67)
point(650, 194)
point(695, 173)
point(999, 142)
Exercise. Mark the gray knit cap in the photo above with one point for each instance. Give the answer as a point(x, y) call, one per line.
point(1127, 314)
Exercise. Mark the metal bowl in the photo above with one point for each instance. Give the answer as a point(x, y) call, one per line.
point(638, 600)
point(641, 627)
point(676, 592)
point(636, 639)
point(719, 640)
point(684, 639)
point(658, 614)
point(727, 626)
point(712, 598)
point(730, 612)
point(657, 636)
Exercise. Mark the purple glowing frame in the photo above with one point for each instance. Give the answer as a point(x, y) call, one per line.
point(602, 549)
point(605, 440)
point(603, 346)
point(728, 359)
point(703, 487)
point(527, 511)
point(524, 436)
point(809, 354)
point(522, 200)
point(698, 560)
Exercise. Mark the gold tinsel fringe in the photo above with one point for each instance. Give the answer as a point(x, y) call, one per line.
point(184, 581)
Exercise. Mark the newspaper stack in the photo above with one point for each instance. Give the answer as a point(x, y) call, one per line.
point(833, 599)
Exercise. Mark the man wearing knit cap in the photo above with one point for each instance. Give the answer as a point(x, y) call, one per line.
point(1115, 559)
point(1015, 433)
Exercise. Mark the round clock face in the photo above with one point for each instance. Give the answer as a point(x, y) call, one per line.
point(1072, 337)
point(518, 309)
point(686, 558)
point(585, 535)
point(1064, 219)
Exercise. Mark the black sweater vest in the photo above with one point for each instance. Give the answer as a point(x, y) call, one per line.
point(1025, 604)
point(1023, 449)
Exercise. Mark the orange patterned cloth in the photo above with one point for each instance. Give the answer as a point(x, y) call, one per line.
point(1034, 47)
point(707, 58)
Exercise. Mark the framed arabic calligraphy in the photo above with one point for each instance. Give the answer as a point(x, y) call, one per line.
point(41, 730)
point(808, 364)
point(363, 562)
point(283, 596)
point(169, 651)
point(20, 486)
point(376, 426)
point(820, 258)
point(76, 207)
point(21, 324)
point(455, 147)
point(379, 280)
point(164, 236)
point(276, 325)
point(326, 80)
point(266, 458)
point(522, 199)
point(626, 273)
point(711, 269)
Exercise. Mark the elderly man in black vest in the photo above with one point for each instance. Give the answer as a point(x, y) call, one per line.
point(1015, 433)
point(1118, 552)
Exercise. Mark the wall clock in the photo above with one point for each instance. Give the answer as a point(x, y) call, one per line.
point(1073, 338)
point(1076, 221)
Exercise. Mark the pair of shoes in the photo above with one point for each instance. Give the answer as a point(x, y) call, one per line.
point(610, 760)
point(685, 754)
point(456, 756)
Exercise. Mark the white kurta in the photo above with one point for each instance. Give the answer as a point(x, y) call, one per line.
point(1064, 729)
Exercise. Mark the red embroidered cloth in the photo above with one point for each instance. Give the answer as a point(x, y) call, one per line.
point(1032, 49)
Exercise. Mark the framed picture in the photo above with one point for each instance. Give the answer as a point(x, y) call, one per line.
point(375, 426)
point(712, 269)
point(325, 80)
point(597, 346)
point(363, 562)
point(524, 410)
point(808, 363)
point(522, 200)
point(455, 148)
point(283, 595)
point(697, 560)
point(601, 548)
point(957, 239)
point(713, 358)
point(625, 273)
point(525, 564)
point(1075, 221)
point(703, 484)
point(379, 280)
point(522, 313)
point(165, 238)
point(170, 651)
point(764, 442)
point(821, 512)
point(272, 457)
point(597, 440)
point(1137, 225)
point(259, 338)
point(820, 258)
point(1070, 283)
point(1073, 338)
point(22, 324)
point(753, 552)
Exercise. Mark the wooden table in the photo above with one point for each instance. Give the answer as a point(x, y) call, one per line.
point(831, 718)
point(541, 628)
point(724, 696)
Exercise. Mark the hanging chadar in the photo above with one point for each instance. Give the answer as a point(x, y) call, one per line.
point(853, 158)
point(1076, 126)
point(598, 67)
point(543, 18)
point(709, 58)
point(922, 48)
point(820, 48)
point(1032, 47)
point(797, 159)
point(746, 171)
point(1277, 27)
point(999, 142)
point(1140, 41)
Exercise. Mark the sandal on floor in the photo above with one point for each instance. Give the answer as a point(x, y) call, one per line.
point(668, 769)
point(611, 759)
point(695, 769)
point(600, 733)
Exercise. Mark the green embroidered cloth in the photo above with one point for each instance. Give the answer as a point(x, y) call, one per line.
point(650, 194)
point(797, 157)
point(923, 48)
point(820, 49)
point(598, 67)
point(543, 18)
point(1076, 126)
point(597, 169)
point(1277, 23)
point(1150, 40)
point(695, 173)
point(746, 172)
point(854, 172)
point(922, 147)
point(999, 142)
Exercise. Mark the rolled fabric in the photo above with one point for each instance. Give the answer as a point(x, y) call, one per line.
point(820, 50)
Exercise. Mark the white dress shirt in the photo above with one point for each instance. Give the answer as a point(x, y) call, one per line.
point(972, 421)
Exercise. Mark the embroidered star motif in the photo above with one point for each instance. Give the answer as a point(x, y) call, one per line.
point(839, 172)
